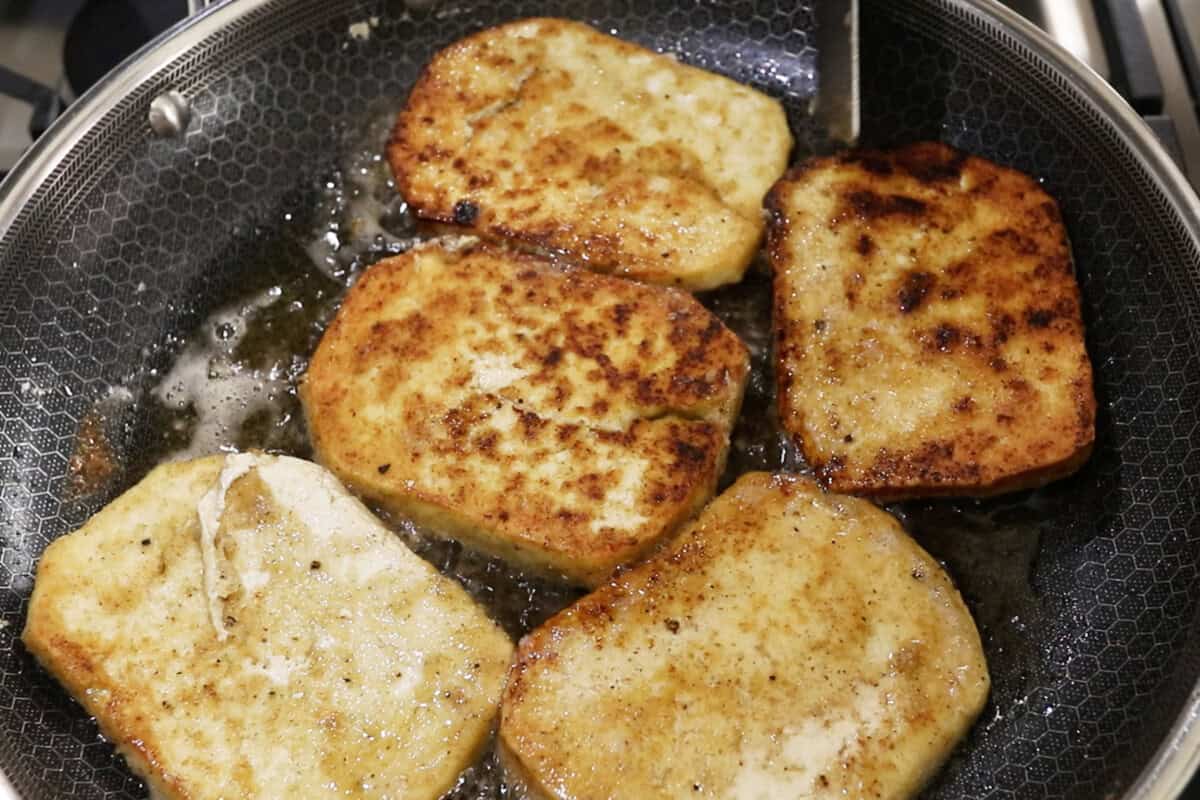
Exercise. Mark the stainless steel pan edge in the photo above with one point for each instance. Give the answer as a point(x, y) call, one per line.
point(138, 70)
point(148, 71)
point(1177, 759)
point(41, 160)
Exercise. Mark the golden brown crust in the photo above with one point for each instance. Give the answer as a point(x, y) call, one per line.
point(554, 136)
point(929, 338)
point(85, 681)
point(788, 643)
point(339, 640)
point(558, 418)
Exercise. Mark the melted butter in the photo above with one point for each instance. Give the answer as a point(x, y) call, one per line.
point(359, 215)
point(208, 379)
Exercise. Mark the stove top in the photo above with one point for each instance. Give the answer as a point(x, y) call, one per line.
point(1148, 50)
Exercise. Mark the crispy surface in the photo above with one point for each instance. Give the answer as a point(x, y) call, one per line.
point(928, 329)
point(558, 418)
point(350, 667)
point(577, 143)
point(789, 643)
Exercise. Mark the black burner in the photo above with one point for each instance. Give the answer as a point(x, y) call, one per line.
point(105, 32)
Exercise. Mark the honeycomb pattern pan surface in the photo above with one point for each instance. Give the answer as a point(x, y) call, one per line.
point(118, 246)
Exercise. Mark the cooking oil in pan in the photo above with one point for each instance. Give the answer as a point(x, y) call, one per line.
point(233, 386)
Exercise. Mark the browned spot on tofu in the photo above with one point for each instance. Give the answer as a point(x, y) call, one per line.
point(867, 205)
point(913, 288)
point(1039, 317)
point(947, 336)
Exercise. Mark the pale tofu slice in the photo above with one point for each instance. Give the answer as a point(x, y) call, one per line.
point(557, 418)
point(242, 627)
point(554, 135)
point(789, 643)
point(929, 338)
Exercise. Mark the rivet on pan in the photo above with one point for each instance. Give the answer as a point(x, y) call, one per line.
point(170, 113)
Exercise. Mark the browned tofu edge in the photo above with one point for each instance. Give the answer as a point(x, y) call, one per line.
point(72, 667)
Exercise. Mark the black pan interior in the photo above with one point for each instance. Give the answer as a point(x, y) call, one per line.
point(1086, 591)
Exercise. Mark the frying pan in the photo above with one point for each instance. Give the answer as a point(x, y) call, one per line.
point(117, 243)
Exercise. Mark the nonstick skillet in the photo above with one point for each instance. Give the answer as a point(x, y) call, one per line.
point(119, 244)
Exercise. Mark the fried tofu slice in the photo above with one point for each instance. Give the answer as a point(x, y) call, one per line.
point(242, 627)
point(928, 332)
point(560, 419)
point(789, 643)
point(571, 142)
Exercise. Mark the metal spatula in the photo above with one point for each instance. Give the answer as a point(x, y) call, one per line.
point(837, 102)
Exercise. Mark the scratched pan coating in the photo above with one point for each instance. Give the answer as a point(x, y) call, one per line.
point(125, 256)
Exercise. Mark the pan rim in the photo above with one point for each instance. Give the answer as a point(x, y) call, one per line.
point(1177, 759)
point(39, 162)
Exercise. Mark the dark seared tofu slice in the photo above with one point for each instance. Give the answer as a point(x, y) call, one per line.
point(928, 331)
